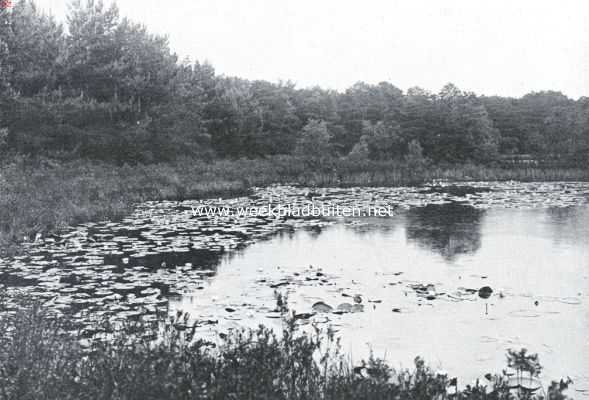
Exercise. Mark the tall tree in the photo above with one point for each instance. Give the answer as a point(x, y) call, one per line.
point(314, 142)
point(144, 67)
point(382, 139)
point(33, 44)
point(93, 51)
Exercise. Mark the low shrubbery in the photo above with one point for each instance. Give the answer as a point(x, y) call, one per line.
point(43, 357)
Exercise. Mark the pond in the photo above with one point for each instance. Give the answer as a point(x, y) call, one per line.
point(415, 283)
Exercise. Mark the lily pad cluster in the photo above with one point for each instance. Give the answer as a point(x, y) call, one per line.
point(131, 268)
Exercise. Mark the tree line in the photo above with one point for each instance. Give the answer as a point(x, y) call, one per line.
point(103, 87)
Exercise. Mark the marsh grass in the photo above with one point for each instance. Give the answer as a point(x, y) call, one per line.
point(41, 357)
point(40, 196)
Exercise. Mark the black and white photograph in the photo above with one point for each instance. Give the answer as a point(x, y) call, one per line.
point(294, 200)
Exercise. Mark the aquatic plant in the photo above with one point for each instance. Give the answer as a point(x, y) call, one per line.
point(521, 361)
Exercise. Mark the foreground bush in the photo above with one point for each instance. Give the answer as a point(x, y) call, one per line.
point(42, 357)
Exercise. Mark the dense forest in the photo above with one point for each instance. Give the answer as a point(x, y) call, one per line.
point(104, 88)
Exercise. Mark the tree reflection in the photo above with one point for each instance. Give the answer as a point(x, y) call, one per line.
point(568, 224)
point(448, 229)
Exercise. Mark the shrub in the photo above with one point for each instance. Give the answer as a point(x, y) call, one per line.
point(42, 356)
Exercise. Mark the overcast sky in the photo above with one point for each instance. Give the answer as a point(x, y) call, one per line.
point(503, 47)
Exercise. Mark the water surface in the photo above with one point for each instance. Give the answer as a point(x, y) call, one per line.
point(413, 279)
point(536, 261)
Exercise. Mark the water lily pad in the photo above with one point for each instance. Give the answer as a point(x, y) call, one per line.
point(322, 307)
point(485, 292)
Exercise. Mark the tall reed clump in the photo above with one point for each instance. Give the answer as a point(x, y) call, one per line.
point(43, 356)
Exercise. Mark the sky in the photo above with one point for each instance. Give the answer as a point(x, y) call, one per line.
point(490, 47)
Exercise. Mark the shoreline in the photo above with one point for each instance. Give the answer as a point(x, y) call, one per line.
point(376, 379)
point(40, 196)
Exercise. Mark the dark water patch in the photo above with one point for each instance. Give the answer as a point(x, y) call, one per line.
point(448, 229)
point(12, 280)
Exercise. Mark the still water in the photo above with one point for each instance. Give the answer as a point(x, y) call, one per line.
point(411, 281)
point(535, 260)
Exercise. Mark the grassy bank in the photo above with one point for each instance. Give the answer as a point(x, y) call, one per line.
point(43, 357)
point(40, 196)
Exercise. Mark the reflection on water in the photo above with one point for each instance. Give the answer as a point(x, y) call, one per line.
point(417, 274)
point(540, 284)
point(568, 224)
point(448, 229)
